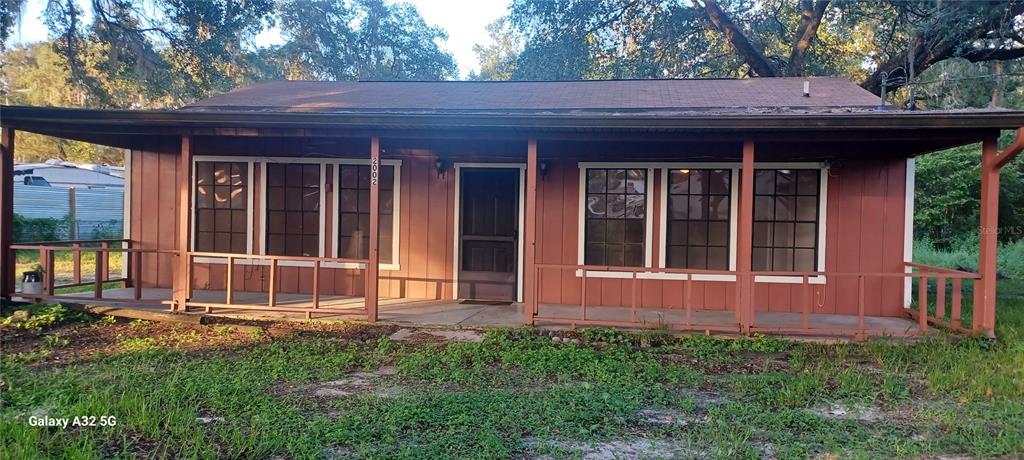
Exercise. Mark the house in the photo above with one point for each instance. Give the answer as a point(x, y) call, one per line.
point(779, 205)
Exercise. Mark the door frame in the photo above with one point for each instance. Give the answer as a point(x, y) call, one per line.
point(458, 214)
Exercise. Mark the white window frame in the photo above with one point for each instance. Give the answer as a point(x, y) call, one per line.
point(395, 263)
point(456, 250)
point(264, 162)
point(823, 167)
point(196, 159)
point(733, 215)
point(648, 219)
point(733, 221)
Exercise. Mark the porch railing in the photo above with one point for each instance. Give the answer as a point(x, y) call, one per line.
point(939, 314)
point(48, 251)
point(924, 312)
point(230, 261)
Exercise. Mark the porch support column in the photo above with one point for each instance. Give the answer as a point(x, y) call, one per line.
point(183, 271)
point(373, 264)
point(745, 241)
point(6, 213)
point(985, 288)
point(530, 236)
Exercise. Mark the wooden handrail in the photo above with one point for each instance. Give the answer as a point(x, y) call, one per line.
point(932, 268)
point(64, 242)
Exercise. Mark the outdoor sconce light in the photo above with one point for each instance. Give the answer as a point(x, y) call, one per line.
point(439, 166)
point(543, 166)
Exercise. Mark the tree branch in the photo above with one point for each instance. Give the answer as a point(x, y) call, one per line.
point(724, 24)
point(934, 45)
point(981, 55)
point(810, 19)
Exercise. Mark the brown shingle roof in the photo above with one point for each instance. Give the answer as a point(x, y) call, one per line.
point(697, 95)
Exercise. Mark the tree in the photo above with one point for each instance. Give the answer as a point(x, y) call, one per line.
point(948, 190)
point(38, 77)
point(497, 60)
point(870, 42)
point(360, 40)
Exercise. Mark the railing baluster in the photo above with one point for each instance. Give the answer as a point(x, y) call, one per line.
point(76, 262)
point(136, 274)
point(316, 288)
point(955, 302)
point(632, 300)
point(272, 295)
point(229, 297)
point(46, 257)
point(97, 290)
point(861, 335)
point(583, 295)
point(105, 258)
point(940, 297)
point(922, 303)
point(805, 316)
point(688, 299)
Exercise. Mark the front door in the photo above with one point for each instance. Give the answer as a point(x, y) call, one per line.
point(488, 233)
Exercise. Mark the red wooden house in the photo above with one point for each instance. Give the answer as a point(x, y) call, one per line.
point(772, 204)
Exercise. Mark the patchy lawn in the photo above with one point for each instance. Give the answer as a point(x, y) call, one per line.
point(316, 390)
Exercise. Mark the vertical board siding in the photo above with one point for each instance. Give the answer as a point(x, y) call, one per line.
point(864, 232)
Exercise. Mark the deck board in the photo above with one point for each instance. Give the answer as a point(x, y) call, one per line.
point(449, 313)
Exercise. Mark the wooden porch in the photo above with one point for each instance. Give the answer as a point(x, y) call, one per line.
point(448, 313)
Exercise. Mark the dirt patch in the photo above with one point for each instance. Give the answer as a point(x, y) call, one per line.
point(377, 383)
point(436, 336)
point(74, 342)
point(849, 412)
point(639, 448)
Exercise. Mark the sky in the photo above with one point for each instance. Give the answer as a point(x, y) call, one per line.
point(464, 20)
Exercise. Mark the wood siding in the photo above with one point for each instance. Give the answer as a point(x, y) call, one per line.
point(864, 232)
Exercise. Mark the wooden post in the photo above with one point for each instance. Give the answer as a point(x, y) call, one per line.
point(530, 292)
point(985, 288)
point(76, 263)
point(373, 264)
point(6, 212)
point(745, 241)
point(182, 273)
point(97, 290)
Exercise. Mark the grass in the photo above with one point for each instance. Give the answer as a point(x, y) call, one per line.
point(518, 394)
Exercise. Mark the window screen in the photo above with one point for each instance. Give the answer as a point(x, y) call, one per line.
point(354, 212)
point(786, 219)
point(615, 217)
point(698, 218)
point(222, 205)
point(293, 209)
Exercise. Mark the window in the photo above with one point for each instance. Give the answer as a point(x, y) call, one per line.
point(222, 207)
point(615, 217)
point(293, 209)
point(786, 219)
point(354, 212)
point(698, 218)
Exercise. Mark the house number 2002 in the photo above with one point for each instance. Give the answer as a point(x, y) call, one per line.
point(374, 171)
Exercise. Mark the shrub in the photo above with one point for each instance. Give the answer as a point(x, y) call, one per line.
point(39, 229)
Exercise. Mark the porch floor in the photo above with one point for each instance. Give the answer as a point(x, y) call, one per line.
point(451, 313)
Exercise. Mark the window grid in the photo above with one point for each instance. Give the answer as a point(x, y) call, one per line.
point(698, 230)
point(293, 209)
point(221, 206)
point(786, 219)
point(354, 212)
point(615, 216)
